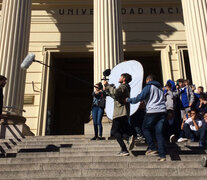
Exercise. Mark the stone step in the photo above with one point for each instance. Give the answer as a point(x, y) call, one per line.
point(106, 144)
point(100, 148)
point(57, 158)
point(92, 144)
point(128, 178)
point(4, 147)
point(70, 141)
point(95, 147)
point(6, 144)
point(135, 151)
point(58, 136)
point(175, 155)
point(88, 141)
point(101, 142)
point(43, 138)
point(98, 165)
point(78, 139)
point(70, 144)
point(77, 157)
point(96, 154)
point(67, 152)
point(132, 172)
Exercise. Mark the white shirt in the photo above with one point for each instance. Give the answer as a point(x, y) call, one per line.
point(190, 122)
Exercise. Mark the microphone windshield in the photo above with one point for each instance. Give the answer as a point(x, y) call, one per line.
point(27, 61)
point(107, 72)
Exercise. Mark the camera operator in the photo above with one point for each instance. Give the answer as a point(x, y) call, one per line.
point(120, 126)
point(99, 99)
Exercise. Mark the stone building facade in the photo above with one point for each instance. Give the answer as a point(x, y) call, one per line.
point(81, 38)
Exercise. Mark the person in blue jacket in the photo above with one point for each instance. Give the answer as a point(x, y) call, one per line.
point(155, 116)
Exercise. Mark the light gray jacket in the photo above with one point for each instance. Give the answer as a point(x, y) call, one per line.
point(169, 100)
point(153, 96)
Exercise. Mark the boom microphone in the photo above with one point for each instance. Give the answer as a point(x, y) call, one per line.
point(106, 73)
point(28, 61)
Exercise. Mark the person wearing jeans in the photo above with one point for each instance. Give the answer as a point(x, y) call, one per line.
point(136, 121)
point(154, 119)
point(97, 114)
point(98, 106)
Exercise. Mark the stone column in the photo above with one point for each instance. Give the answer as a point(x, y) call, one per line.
point(14, 42)
point(108, 49)
point(195, 15)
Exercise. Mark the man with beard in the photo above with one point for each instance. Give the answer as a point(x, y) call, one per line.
point(120, 126)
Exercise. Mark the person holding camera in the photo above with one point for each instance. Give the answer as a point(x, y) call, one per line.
point(99, 98)
point(120, 127)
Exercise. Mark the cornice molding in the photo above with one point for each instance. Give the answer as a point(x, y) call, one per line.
point(77, 3)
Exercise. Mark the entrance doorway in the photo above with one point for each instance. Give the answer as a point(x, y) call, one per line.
point(151, 62)
point(69, 94)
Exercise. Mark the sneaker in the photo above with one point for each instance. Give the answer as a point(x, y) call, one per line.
point(123, 153)
point(161, 159)
point(204, 161)
point(140, 139)
point(182, 140)
point(172, 138)
point(100, 138)
point(94, 138)
point(150, 152)
point(131, 142)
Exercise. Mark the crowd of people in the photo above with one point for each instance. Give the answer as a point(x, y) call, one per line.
point(176, 112)
point(186, 109)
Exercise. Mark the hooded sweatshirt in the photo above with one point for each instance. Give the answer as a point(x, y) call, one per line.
point(153, 96)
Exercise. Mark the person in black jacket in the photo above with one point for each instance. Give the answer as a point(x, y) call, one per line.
point(99, 98)
point(2, 84)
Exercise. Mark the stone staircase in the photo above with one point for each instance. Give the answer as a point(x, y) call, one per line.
point(76, 157)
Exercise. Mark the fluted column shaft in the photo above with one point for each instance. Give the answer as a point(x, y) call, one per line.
point(14, 42)
point(108, 49)
point(195, 18)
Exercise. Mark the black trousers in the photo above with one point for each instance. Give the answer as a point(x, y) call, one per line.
point(121, 130)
